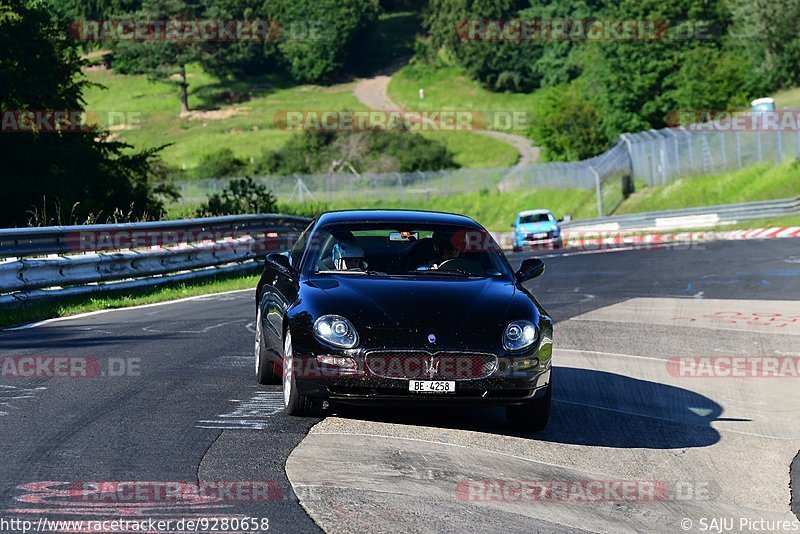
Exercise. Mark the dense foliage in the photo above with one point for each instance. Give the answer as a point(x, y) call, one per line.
point(56, 177)
point(244, 195)
point(373, 151)
point(715, 55)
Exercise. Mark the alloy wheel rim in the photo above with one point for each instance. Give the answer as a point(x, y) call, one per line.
point(258, 340)
point(287, 369)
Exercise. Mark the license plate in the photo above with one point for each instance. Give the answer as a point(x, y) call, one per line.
point(432, 386)
point(540, 236)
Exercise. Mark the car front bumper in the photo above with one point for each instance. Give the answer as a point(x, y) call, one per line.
point(502, 384)
point(555, 241)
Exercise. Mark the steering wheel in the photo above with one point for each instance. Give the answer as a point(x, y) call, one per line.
point(461, 264)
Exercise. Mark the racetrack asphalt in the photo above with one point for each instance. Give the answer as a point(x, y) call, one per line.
point(186, 408)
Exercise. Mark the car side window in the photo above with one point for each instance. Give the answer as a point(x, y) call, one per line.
point(296, 254)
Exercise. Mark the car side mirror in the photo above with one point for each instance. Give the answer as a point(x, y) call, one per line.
point(279, 262)
point(530, 268)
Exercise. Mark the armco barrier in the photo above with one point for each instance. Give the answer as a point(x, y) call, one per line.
point(700, 217)
point(43, 263)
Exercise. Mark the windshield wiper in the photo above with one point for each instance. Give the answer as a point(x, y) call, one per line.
point(455, 272)
point(350, 271)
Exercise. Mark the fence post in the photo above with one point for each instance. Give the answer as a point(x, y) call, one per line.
point(653, 172)
point(758, 144)
point(402, 189)
point(724, 155)
point(739, 149)
point(597, 190)
point(691, 149)
point(328, 186)
point(797, 143)
point(780, 145)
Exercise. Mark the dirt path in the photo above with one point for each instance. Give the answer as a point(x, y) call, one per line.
point(373, 93)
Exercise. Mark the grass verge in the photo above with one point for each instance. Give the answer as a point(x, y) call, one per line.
point(39, 311)
point(760, 182)
point(494, 210)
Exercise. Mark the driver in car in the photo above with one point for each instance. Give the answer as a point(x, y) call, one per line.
point(443, 243)
point(347, 256)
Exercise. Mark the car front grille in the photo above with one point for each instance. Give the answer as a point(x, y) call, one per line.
point(531, 237)
point(423, 365)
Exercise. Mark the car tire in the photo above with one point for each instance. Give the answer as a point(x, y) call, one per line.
point(293, 402)
point(532, 416)
point(267, 372)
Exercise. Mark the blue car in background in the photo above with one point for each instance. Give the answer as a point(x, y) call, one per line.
point(536, 228)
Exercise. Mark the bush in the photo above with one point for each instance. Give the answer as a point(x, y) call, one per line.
point(372, 151)
point(240, 196)
point(567, 124)
point(219, 164)
point(316, 51)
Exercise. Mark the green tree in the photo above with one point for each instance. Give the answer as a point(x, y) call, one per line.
point(567, 125)
point(71, 176)
point(320, 36)
point(240, 196)
point(768, 31)
point(637, 82)
point(163, 59)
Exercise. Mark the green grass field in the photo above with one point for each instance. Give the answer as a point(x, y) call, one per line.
point(248, 127)
point(760, 182)
point(495, 211)
point(451, 88)
point(47, 310)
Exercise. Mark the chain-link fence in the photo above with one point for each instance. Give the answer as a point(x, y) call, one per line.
point(661, 156)
point(656, 157)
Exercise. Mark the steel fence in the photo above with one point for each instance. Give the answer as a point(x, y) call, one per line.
point(50, 262)
point(655, 157)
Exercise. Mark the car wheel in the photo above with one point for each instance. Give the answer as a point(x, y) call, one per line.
point(533, 416)
point(293, 402)
point(267, 372)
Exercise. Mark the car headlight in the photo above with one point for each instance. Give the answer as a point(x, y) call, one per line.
point(519, 335)
point(336, 330)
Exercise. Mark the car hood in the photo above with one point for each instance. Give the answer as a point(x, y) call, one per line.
point(413, 304)
point(536, 227)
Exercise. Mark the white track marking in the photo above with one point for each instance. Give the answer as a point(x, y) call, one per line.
point(138, 307)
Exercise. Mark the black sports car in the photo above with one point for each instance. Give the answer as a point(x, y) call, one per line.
point(403, 307)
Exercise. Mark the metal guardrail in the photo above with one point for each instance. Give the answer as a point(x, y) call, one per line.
point(37, 241)
point(704, 216)
point(51, 262)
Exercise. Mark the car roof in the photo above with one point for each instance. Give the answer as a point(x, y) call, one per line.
point(396, 217)
point(533, 212)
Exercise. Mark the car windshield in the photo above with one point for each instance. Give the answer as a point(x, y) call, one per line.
point(400, 250)
point(535, 218)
